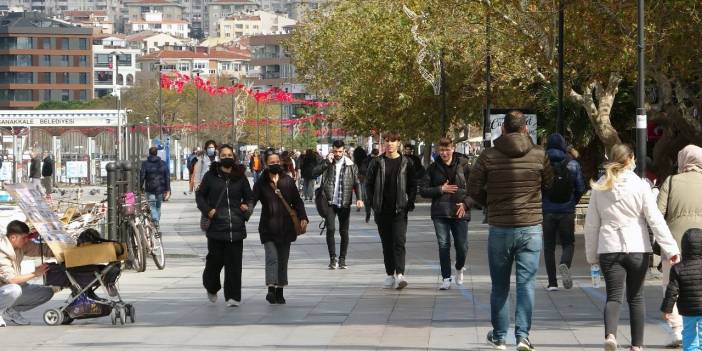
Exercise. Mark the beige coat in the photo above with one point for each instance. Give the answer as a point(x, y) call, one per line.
point(11, 259)
point(685, 210)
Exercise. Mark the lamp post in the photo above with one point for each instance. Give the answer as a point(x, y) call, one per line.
point(641, 120)
point(121, 150)
point(160, 103)
point(561, 20)
point(235, 81)
point(487, 135)
point(148, 130)
point(258, 125)
point(197, 103)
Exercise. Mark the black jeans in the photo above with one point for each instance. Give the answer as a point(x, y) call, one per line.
point(228, 255)
point(558, 226)
point(344, 214)
point(393, 235)
point(619, 270)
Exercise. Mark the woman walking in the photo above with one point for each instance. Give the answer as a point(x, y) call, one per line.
point(276, 224)
point(223, 198)
point(616, 238)
point(204, 161)
point(681, 205)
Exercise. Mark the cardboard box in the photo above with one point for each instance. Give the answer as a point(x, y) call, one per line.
point(88, 254)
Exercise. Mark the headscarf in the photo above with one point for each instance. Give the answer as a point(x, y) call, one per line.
point(690, 159)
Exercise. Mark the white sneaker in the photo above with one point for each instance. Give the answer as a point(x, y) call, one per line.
point(15, 317)
point(400, 282)
point(232, 303)
point(445, 284)
point(212, 297)
point(459, 276)
point(389, 282)
point(2, 322)
point(552, 288)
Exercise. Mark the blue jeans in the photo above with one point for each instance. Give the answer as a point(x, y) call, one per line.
point(445, 227)
point(155, 206)
point(692, 328)
point(520, 245)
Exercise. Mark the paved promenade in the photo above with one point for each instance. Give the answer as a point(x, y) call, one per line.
point(329, 310)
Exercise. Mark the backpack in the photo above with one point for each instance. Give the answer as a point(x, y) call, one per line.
point(562, 188)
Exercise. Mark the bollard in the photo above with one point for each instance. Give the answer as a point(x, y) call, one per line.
point(112, 203)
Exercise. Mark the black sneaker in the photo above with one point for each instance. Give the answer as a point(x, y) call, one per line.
point(333, 264)
point(497, 344)
point(342, 263)
point(523, 344)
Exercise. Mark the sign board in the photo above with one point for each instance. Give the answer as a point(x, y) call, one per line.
point(76, 169)
point(60, 118)
point(497, 117)
point(39, 215)
point(6, 171)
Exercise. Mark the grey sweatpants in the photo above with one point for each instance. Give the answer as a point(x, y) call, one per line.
point(23, 297)
point(277, 255)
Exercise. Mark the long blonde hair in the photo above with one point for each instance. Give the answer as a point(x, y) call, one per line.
point(621, 158)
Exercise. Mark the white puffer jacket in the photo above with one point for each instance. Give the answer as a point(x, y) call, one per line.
point(617, 220)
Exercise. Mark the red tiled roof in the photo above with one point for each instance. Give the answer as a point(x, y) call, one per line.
point(172, 54)
point(228, 54)
point(141, 35)
point(114, 35)
point(163, 21)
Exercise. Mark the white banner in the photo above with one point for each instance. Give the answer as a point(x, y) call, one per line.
point(496, 121)
point(76, 169)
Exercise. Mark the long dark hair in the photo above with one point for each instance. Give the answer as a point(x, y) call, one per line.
point(359, 154)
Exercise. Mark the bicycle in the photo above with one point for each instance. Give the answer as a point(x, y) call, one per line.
point(152, 241)
point(135, 242)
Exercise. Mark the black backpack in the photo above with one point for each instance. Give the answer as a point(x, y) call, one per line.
point(562, 188)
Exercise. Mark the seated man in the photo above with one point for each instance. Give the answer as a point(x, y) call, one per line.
point(16, 295)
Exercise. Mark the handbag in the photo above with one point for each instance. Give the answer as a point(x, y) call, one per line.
point(205, 221)
point(299, 228)
point(656, 248)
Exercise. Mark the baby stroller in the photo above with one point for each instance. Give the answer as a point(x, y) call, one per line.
point(83, 302)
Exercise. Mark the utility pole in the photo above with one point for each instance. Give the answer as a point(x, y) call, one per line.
point(641, 120)
point(487, 135)
point(444, 116)
point(561, 24)
point(235, 143)
point(160, 105)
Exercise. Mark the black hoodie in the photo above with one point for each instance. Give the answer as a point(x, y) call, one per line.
point(229, 222)
point(686, 277)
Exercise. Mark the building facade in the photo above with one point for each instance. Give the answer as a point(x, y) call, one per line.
point(155, 22)
point(114, 65)
point(149, 42)
point(43, 60)
point(219, 9)
point(98, 20)
point(260, 22)
point(209, 63)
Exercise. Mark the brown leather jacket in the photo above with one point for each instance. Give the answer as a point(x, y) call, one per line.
point(509, 179)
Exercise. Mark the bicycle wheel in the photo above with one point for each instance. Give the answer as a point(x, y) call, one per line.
point(136, 247)
point(155, 244)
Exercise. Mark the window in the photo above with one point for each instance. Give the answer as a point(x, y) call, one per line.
point(4, 95)
point(184, 67)
point(227, 35)
point(66, 77)
point(124, 60)
point(47, 95)
point(64, 44)
point(46, 43)
point(45, 77)
point(64, 61)
point(25, 43)
point(83, 95)
point(103, 77)
point(65, 95)
point(199, 65)
point(45, 60)
point(103, 60)
point(22, 95)
point(239, 26)
point(83, 61)
point(24, 77)
point(8, 43)
point(83, 78)
point(83, 44)
point(24, 60)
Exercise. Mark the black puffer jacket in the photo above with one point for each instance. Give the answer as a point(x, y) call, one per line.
point(154, 176)
point(444, 205)
point(686, 277)
point(375, 184)
point(276, 224)
point(229, 222)
point(349, 179)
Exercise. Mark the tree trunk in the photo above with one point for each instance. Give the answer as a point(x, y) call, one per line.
point(598, 101)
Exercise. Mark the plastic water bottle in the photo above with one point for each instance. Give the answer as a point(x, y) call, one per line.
point(596, 275)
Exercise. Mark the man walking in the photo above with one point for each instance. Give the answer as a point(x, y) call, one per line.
point(155, 181)
point(16, 294)
point(509, 179)
point(559, 210)
point(391, 190)
point(445, 183)
point(47, 173)
point(340, 180)
point(35, 171)
point(408, 151)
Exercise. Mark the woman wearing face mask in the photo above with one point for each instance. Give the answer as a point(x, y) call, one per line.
point(204, 161)
point(616, 236)
point(275, 226)
point(223, 197)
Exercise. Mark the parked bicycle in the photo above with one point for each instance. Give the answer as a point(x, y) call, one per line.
point(152, 242)
point(129, 224)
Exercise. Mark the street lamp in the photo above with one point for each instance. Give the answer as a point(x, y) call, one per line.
point(235, 81)
point(160, 102)
point(148, 130)
point(197, 101)
point(118, 94)
point(641, 120)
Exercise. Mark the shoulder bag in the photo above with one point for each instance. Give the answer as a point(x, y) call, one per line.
point(299, 228)
point(205, 221)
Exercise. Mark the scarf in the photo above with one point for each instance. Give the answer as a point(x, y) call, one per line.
point(690, 159)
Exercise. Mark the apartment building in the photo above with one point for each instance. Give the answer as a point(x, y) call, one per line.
point(114, 65)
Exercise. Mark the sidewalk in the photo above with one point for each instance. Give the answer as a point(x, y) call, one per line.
point(328, 310)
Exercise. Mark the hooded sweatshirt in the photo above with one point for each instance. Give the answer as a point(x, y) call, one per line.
point(618, 219)
point(509, 178)
point(556, 150)
point(686, 277)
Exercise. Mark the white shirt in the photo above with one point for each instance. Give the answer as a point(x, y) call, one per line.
point(336, 199)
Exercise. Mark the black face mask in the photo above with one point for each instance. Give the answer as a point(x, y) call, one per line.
point(227, 162)
point(275, 169)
